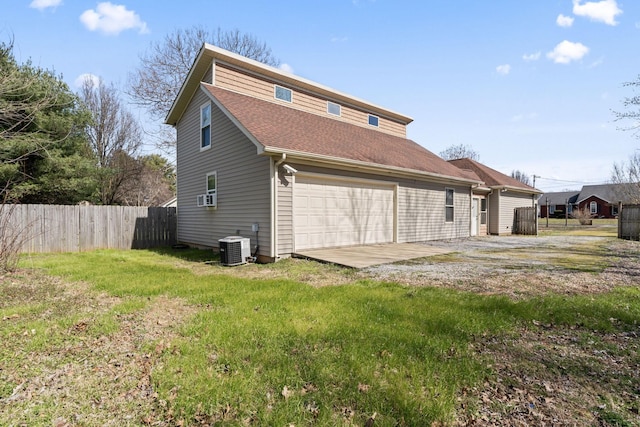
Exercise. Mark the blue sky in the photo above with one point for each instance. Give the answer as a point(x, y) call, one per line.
point(529, 84)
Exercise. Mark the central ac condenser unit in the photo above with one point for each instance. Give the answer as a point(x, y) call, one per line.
point(234, 250)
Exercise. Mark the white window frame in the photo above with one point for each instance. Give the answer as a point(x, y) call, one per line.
point(377, 120)
point(335, 105)
point(202, 108)
point(483, 212)
point(593, 207)
point(451, 206)
point(215, 177)
point(275, 93)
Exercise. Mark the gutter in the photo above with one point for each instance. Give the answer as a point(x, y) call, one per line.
point(374, 167)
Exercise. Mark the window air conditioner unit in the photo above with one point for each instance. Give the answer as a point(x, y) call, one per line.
point(207, 200)
point(234, 250)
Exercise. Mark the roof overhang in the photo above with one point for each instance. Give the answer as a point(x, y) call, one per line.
point(507, 188)
point(341, 163)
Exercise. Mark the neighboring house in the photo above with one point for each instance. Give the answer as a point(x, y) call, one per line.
point(171, 203)
point(295, 165)
point(601, 201)
point(495, 201)
point(560, 204)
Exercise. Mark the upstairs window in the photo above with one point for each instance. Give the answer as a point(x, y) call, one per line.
point(373, 120)
point(448, 205)
point(333, 108)
point(205, 127)
point(283, 94)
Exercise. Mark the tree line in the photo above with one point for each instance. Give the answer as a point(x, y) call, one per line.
point(61, 147)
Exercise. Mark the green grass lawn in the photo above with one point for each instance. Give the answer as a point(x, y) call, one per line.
point(571, 226)
point(278, 352)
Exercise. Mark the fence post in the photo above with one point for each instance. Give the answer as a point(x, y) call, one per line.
point(619, 220)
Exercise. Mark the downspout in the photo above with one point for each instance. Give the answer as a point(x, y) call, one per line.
point(274, 220)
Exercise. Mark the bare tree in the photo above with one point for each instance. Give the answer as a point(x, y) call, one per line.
point(115, 138)
point(627, 176)
point(155, 184)
point(632, 108)
point(460, 151)
point(158, 79)
point(521, 176)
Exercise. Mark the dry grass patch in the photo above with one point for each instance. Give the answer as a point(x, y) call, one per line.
point(77, 357)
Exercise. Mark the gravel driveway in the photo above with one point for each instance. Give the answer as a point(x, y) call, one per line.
point(494, 264)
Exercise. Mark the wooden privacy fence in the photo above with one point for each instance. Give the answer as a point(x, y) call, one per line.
point(525, 221)
point(629, 222)
point(57, 228)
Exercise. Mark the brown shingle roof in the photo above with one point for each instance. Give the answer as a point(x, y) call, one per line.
point(279, 127)
point(491, 177)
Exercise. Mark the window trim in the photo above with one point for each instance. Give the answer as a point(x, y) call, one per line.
point(215, 177)
point(377, 120)
point(593, 205)
point(330, 104)
point(275, 93)
point(483, 212)
point(202, 108)
point(451, 206)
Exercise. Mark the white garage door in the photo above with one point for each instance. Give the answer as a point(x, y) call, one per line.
point(330, 213)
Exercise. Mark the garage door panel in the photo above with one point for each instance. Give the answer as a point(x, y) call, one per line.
point(330, 213)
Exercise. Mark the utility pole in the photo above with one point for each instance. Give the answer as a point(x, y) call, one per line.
point(534, 180)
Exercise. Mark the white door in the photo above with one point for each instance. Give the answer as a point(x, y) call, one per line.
point(475, 212)
point(330, 213)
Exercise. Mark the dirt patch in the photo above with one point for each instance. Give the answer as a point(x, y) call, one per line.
point(91, 368)
point(557, 376)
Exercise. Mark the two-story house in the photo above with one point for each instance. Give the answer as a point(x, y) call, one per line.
point(295, 165)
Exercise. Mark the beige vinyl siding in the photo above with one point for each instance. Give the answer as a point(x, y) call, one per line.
point(422, 212)
point(248, 84)
point(285, 209)
point(508, 202)
point(501, 206)
point(243, 190)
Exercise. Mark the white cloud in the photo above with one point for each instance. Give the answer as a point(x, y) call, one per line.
point(286, 68)
point(79, 81)
point(531, 57)
point(43, 4)
point(601, 11)
point(503, 69)
point(112, 19)
point(598, 62)
point(564, 21)
point(567, 51)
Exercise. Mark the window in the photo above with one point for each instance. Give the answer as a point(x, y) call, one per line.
point(373, 120)
point(205, 127)
point(594, 207)
point(212, 183)
point(283, 93)
point(614, 210)
point(483, 211)
point(333, 108)
point(569, 209)
point(448, 203)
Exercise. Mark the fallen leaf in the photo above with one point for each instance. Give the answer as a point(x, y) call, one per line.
point(286, 393)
